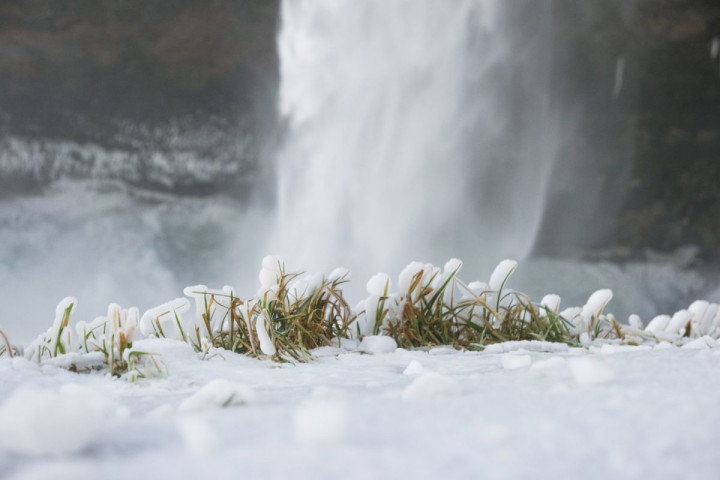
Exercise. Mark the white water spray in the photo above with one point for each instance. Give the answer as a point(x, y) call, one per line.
point(416, 129)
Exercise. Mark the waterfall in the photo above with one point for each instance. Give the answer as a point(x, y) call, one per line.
point(415, 129)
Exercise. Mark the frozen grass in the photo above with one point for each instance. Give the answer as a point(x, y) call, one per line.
point(304, 313)
point(7, 348)
point(294, 313)
point(439, 309)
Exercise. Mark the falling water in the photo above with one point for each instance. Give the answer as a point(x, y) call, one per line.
point(415, 130)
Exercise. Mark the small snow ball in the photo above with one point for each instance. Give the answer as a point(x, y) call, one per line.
point(414, 368)
point(45, 422)
point(218, 393)
point(378, 344)
point(588, 372)
point(430, 386)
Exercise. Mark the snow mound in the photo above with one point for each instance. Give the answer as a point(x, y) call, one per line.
point(414, 368)
point(322, 419)
point(528, 345)
point(588, 372)
point(431, 385)
point(218, 393)
point(552, 362)
point(702, 343)
point(45, 422)
point(512, 361)
point(57, 470)
point(378, 344)
point(199, 437)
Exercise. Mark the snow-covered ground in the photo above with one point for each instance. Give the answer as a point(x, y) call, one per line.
point(515, 410)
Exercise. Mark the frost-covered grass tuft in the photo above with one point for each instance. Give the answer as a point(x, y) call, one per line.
point(435, 307)
point(301, 312)
point(7, 348)
point(294, 313)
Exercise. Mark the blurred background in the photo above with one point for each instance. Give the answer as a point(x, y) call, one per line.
point(139, 146)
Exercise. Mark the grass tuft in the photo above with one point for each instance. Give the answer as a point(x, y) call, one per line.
point(7, 348)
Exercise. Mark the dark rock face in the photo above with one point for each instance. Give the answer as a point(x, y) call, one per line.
point(674, 198)
point(650, 150)
point(152, 83)
point(180, 95)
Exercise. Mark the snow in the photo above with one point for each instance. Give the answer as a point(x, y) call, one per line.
point(501, 273)
point(596, 303)
point(377, 344)
point(414, 368)
point(35, 421)
point(266, 345)
point(356, 416)
point(702, 343)
point(379, 284)
point(431, 386)
point(590, 372)
point(513, 361)
point(362, 407)
point(216, 394)
point(198, 434)
point(322, 419)
point(551, 302)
